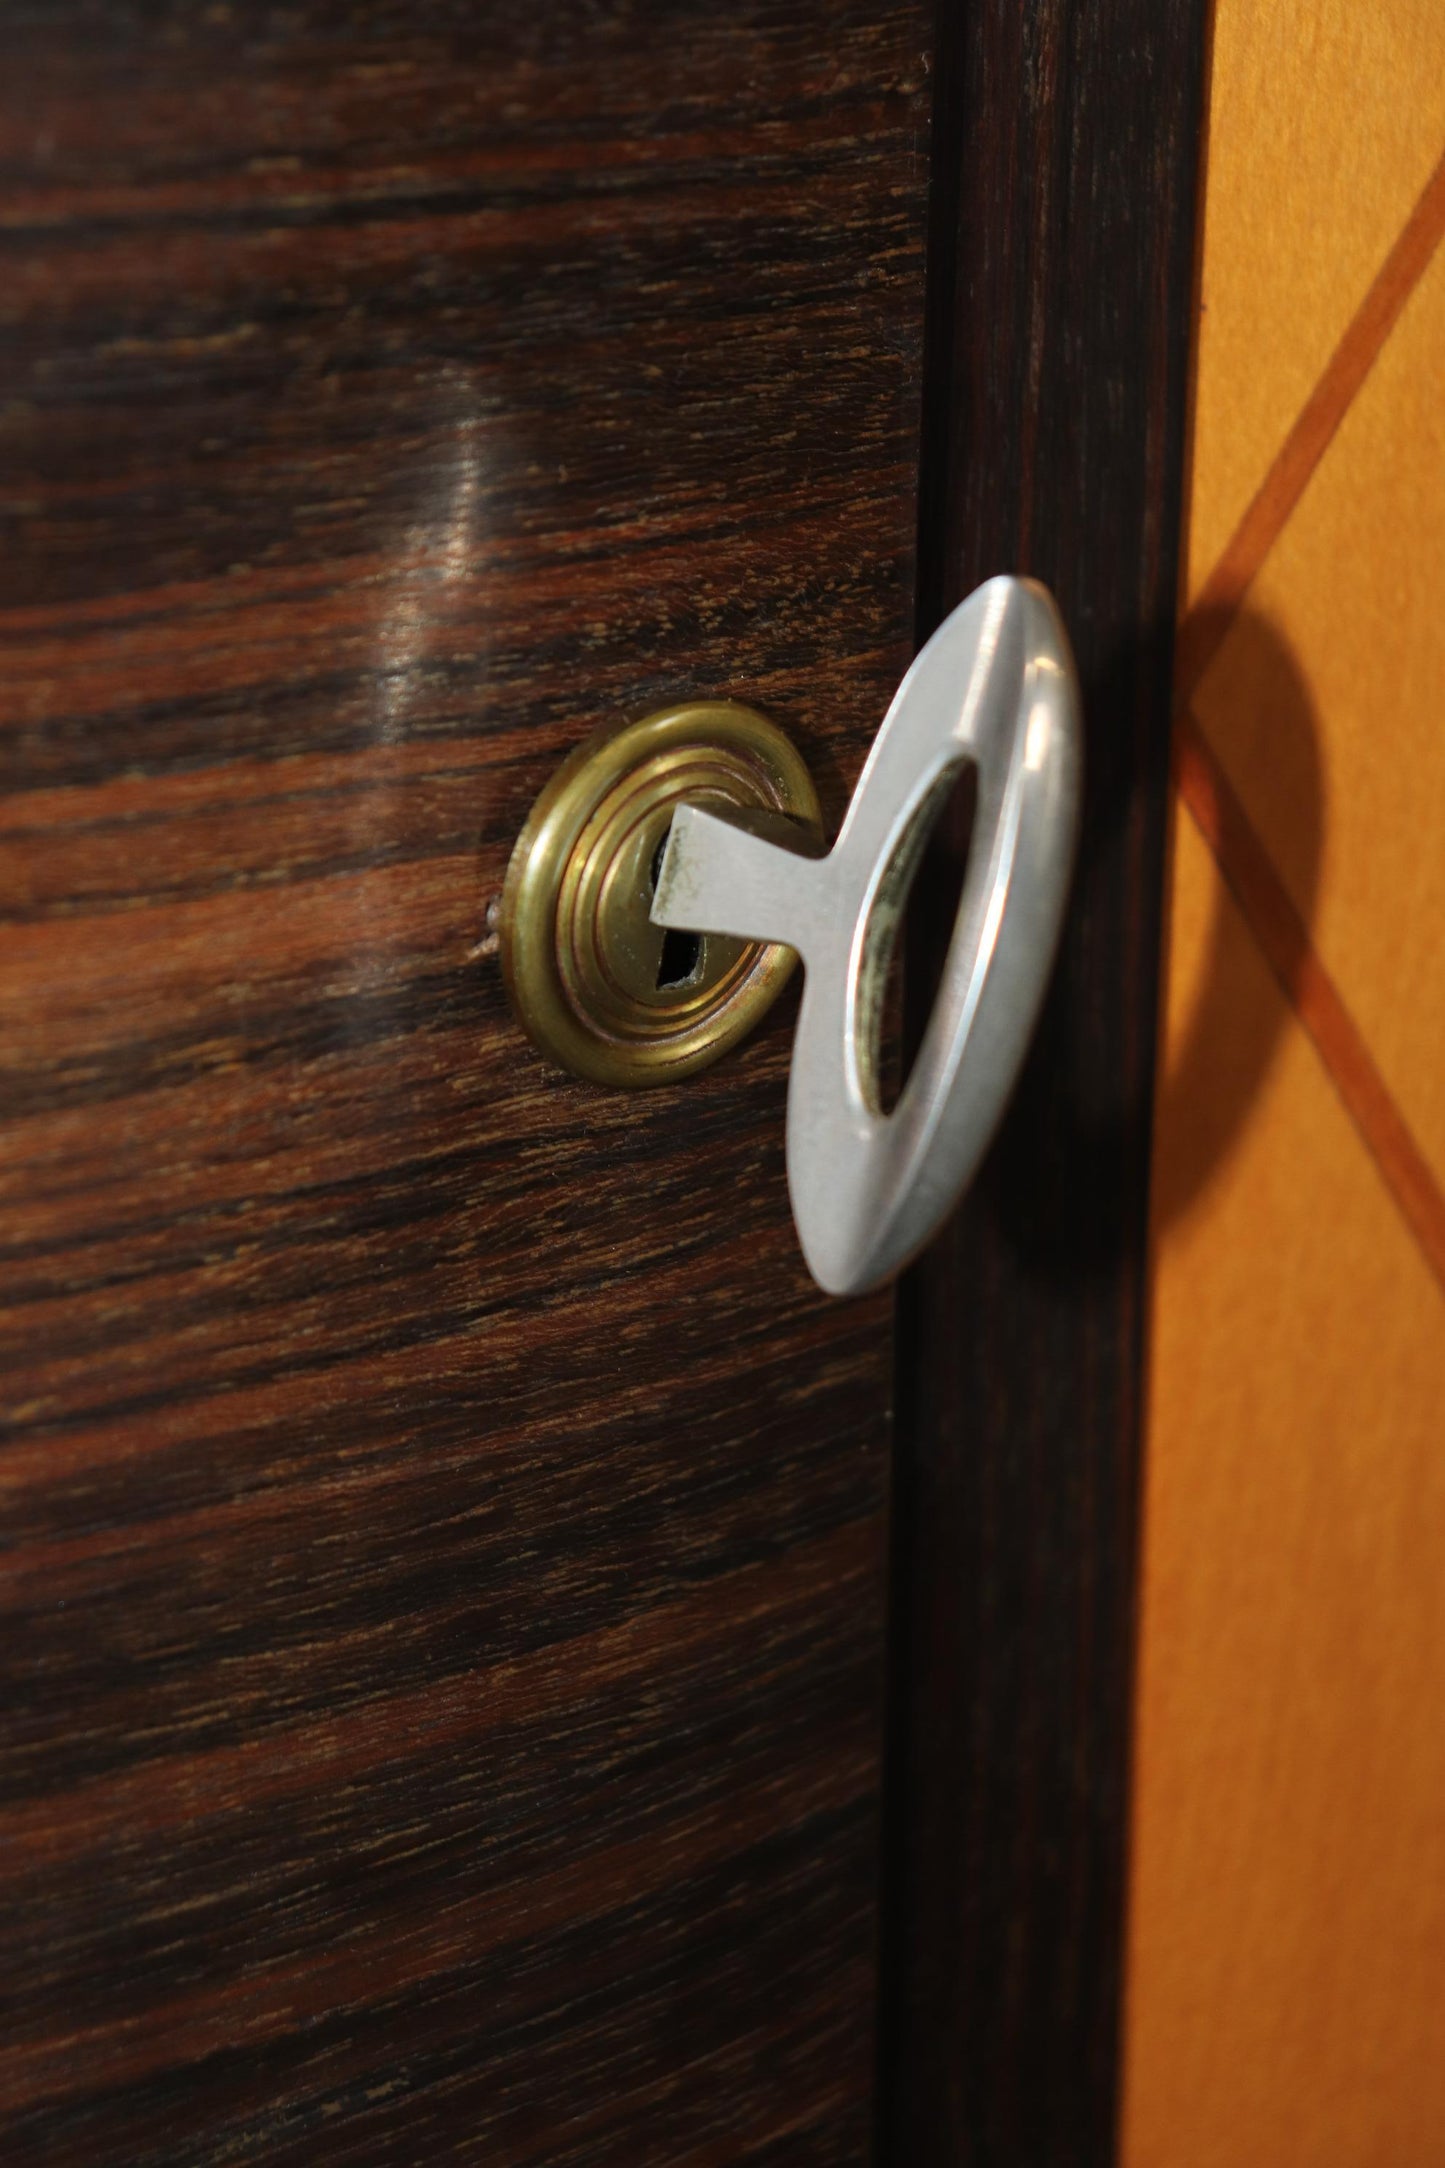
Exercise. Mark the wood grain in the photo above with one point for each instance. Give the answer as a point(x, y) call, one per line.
point(1217, 604)
point(443, 1526)
point(1256, 887)
point(1060, 283)
point(1287, 1825)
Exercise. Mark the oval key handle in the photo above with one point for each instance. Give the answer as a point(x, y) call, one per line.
point(995, 687)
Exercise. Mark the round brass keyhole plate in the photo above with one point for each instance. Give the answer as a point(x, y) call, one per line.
point(593, 982)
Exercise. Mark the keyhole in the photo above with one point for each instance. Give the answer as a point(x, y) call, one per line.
point(681, 957)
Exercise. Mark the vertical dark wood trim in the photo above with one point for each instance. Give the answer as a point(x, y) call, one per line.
point(1065, 157)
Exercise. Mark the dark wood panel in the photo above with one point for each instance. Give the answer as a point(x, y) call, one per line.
point(1060, 272)
point(440, 1662)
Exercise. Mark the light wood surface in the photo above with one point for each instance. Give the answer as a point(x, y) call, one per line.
point(1287, 1926)
point(1326, 118)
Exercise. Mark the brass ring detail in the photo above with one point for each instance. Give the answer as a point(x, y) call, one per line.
point(593, 982)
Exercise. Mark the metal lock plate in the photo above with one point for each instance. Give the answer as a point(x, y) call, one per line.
point(596, 985)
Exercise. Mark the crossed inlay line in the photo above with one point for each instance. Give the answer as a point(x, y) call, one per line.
point(1215, 807)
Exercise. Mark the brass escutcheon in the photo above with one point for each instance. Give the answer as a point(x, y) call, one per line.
point(593, 982)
